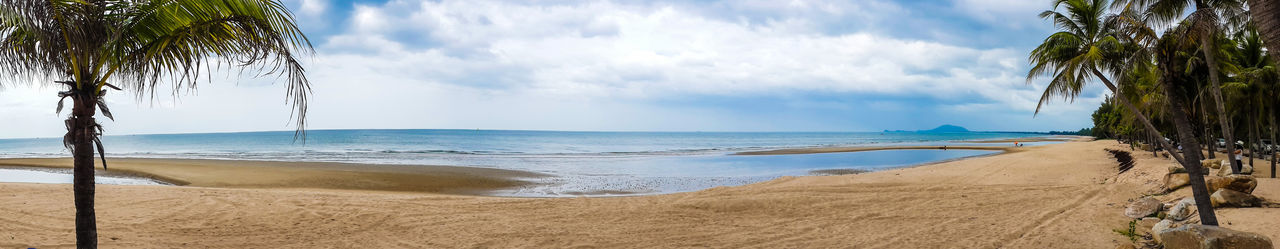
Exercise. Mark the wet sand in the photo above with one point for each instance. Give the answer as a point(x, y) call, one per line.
point(307, 175)
point(1066, 195)
point(1055, 138)
point(871, 148)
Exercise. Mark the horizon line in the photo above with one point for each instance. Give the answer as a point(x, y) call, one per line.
point(533, 130)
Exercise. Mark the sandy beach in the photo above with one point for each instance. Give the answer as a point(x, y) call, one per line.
point(1066, 195)
point(308, 175)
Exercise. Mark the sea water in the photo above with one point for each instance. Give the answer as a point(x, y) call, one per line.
point(582, 162)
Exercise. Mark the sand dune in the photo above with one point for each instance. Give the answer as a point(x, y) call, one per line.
point(1056, 196)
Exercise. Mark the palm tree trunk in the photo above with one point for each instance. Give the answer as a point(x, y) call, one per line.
point(80, 135)
point(1266, 15)
point(1208, 131)
point(1190, 151)
point(1275, 145)
point(1141, 117)
point(1206, 44)
point(1253, 143)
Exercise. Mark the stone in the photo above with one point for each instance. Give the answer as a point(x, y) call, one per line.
point(1182, 210)
point(1232, 198)
point(1175, 181)
point(1148, 221)
point(1243, 183)
point(1245, 169)
point(1211, 163)
point(1195, 236)
point(1146, 206)
point(1174, 169)
point(1160, 227)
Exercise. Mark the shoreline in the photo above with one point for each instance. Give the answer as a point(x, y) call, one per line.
point(820, 150)
point(246, 174)
point(439, 179)
point(835, 172)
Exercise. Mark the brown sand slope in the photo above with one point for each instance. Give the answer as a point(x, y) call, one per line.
point(1055, 196)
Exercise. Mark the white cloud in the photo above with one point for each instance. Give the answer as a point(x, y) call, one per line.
point(609, 50)
point(314, 7)
point(589, 66)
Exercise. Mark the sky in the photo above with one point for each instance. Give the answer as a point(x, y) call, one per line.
point(751, 65)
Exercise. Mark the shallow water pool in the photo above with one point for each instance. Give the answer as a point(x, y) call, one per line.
point(63, 176)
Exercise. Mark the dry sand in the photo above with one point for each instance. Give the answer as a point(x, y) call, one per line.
point(1055, 196)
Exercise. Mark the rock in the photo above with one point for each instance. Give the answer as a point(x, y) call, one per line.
point(1148, 221)
point(1175, 181)
point(1243, 183)
point(1162, 226)
point(1174, 169)
point(1146, 206)
point(1182, 210)
point(1232, 198)
point(1211, 163)
point(1245, 169)
point(1144, 225)
point(1205, 237)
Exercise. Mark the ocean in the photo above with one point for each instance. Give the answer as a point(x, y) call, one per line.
point(584, 163)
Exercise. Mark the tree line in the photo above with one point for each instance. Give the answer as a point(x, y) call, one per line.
point(1181, 74)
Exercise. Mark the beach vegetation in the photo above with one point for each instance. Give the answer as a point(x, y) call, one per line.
point(1181, 73)
point(90, 48)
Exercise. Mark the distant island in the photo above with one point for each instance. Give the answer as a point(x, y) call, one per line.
point(946, 128)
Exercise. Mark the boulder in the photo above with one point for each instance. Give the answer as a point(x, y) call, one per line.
point(1162, 226)
point(1232, 198)
point(1243, 183)
point(1182, 210)
point(1175, 181)
point(1146, 206)
point(1245, 169)
point(1211, 163)
point(1174, 169)
point(1204, 237)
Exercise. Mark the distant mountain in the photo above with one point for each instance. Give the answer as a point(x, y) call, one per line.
point(946, 128)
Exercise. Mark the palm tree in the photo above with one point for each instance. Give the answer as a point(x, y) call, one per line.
point(1207, 23)
point(90, 46)
point(1266, 15)
point(1256, 79)
point(1079, 52)
point(1171, 57)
